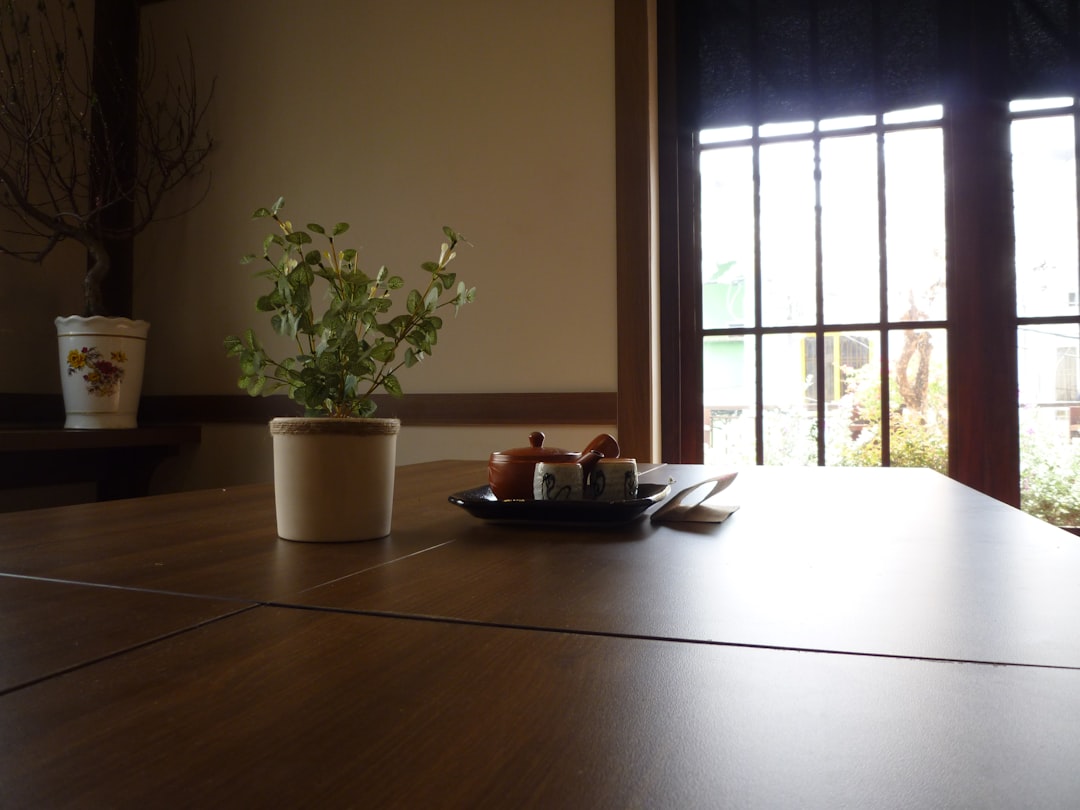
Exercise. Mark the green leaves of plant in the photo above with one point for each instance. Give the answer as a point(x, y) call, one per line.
point(252, 361)
point(351, 349)
point(431, 300)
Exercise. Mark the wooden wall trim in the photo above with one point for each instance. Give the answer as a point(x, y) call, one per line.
point(444, 410)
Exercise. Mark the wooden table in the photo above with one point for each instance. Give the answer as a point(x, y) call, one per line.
point(863, 638)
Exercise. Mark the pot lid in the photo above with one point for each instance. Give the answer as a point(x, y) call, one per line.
point(535, 452)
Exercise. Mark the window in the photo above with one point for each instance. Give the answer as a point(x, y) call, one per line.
point(827, 314)
point(822, 242)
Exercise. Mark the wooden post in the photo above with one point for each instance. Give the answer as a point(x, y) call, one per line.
point(981, 275)
point(115, 128)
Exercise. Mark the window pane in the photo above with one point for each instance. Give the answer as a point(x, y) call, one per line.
point(930, 113)
point(728, 383)
point(853, 417)
point(849, 122)
point(849, 229)
point(725, 134)
point(918, 399)
point(786, 128)
point(1021, 105)
point(1044, 214)
point(915, 224)
point(727, 237)
point(1049, 366)
point(789, 415)
point(788, 243)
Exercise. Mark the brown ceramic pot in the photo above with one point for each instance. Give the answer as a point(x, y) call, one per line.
point(510, 472)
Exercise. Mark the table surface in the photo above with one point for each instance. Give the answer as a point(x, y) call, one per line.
point(849, 637)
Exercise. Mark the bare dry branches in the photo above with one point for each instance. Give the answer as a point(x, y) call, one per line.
point(66, 169)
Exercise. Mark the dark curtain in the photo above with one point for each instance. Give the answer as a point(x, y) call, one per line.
point(754, 61)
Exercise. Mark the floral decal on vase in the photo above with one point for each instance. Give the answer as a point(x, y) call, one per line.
point(102, 376)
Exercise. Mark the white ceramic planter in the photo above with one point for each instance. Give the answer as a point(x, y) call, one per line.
point(101, 370)
point(334, 478)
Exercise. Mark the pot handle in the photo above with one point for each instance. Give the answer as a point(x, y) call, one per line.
point(604, 444)
point(588, 461)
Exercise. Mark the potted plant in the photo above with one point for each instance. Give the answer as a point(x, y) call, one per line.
point(334, 467)
point(92, 139)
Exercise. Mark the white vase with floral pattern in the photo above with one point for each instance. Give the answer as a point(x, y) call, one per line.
point(101, 370)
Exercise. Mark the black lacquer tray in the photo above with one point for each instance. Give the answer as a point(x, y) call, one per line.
point(482, 503)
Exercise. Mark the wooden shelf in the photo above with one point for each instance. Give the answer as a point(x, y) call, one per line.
point(119, 462)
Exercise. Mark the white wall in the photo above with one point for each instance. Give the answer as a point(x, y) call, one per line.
point(494, 117)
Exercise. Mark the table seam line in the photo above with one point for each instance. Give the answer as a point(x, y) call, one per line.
point(376, 567)
point(668, 639)
point(136, 589)
point(126, 650)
